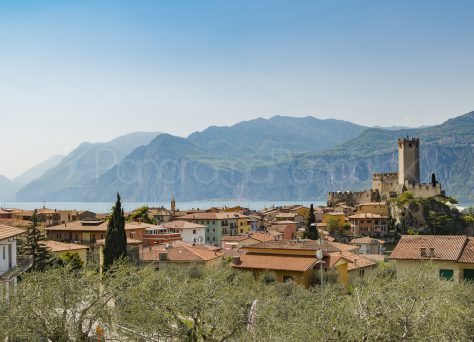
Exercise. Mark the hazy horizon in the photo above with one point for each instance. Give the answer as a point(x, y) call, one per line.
point(95, 70)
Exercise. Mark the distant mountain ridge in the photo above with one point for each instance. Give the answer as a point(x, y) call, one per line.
point(39, 170)
point(281, 158)
point(80, 167)
point(264, 136)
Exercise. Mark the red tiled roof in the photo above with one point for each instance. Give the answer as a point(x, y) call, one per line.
point(213, 216)
point(354, 261)
point(7, 232)
point(262, 237)
point(445, 247)
point(327, 246)
point(468, 252)
point(276, 262)
point(181, 225)
point(100, 227)
point(234, 238)
point(366, 215)
point(367, 240)
point(57, 246)
point(180, 253)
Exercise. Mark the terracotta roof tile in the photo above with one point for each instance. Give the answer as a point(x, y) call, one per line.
point(95, 226)
point(366, 215)
point(7, 232)
point(468, 252)
point(367, 240)
point(276, 262)
point(180, 252)
point(213, 216)
point(57, 246)
point(181, 225)
point(444, 247)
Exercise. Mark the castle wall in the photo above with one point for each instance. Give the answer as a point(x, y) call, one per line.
point(386, 184)
point(424, 190)
point(353, 198)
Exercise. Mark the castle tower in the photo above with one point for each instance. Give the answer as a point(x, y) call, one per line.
point(173, 204)
point(409, 161)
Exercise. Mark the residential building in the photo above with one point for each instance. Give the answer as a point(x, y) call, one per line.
point(239, 241)
point(358, 266)
point(296, 260)
point(218, 224)
point(59, 249)
point(161, 215)
point(88, 232)
point(180, 254)
point(344, 208)
point(295, 217)
point(337, 216)
point(368, 245)
point(452, 256)
point(9, 268)
point(66, 216)
point(287, 228)
point(368, 224)
point(175, 231)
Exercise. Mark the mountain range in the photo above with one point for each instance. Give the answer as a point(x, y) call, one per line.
point(282, 158)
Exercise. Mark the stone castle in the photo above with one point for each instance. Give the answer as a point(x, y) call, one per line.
point(392, 184)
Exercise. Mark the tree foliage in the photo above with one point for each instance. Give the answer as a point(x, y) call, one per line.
point(115, 239)
point(71, 260)
point(311, 231)
point(141, 214)
point(33, 247)
point(222, 304)
point(333, 225)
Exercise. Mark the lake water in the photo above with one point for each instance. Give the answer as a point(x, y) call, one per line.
point(103, 207)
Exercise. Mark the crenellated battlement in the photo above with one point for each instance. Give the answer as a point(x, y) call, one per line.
point(408, 140)
point(385, 175)
point(353, 197)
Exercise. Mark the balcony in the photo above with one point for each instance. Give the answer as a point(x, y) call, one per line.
point(22, 266)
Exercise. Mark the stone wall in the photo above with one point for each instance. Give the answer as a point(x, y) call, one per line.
point(424, 190)
point(386, 184)
point(353, 198)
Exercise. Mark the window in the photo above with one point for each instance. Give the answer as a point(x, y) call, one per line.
point(241, 231)
point(4, 252)
point(446, 274)
point(361, 272)
point(241, 224)
point(288, 278)
point(213, 238)
point(207, 222)
point(194, 232)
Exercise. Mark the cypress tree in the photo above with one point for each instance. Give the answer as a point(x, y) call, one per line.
point(32, 247)
point(311, 230)
point(433, 179)
point(115, 239)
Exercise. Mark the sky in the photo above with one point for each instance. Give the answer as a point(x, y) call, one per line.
point(74, 71)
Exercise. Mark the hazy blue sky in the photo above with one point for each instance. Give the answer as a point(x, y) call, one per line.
point(73, 71)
